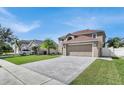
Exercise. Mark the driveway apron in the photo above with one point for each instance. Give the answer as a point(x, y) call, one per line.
point(64, 68)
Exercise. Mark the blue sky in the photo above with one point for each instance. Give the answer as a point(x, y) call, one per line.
point(41, 23)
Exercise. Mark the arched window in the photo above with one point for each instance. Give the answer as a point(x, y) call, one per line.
point(69, 38)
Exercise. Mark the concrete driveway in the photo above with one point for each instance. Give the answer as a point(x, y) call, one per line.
point(11, 74)
point(64, 68)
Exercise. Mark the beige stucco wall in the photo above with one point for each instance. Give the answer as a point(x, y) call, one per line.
point(95, 51)
point(60, 47)
point(101, 40)
point(64, 50)
point(99, 44)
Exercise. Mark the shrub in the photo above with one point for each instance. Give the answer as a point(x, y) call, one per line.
point(115, 57)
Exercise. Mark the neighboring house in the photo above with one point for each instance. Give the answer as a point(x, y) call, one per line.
point(82, 43)
point(26, 47)
point(122, 42)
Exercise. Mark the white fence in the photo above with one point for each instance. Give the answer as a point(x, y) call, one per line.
point(109, 52)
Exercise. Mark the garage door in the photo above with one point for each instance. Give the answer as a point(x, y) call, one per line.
point(79, 50)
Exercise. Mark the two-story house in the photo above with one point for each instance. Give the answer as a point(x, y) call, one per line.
point(82, 43)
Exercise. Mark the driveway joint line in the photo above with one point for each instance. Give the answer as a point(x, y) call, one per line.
point(46, 81)
point(14, 76)
point(47, 76)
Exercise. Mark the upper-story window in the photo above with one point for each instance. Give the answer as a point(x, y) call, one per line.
point(69, 38)
point(94, 35)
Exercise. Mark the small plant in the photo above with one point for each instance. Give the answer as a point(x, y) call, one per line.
point(23, 54)
point(115, 57)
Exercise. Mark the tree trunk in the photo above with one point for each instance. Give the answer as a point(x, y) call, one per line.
point(48, 51)
point(113, 49)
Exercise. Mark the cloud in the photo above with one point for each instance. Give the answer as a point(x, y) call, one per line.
point(95, 22)
point(84, 23)
point(4, 12)
point(21, 27)
point(10, 20)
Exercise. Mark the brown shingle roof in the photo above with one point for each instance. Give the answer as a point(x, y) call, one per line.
point(87, 31)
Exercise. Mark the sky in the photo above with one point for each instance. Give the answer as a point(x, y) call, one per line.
point(53, 22)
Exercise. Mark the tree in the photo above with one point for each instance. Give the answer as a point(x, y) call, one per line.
point(35, 49)
point(16, 42)
point(6, 48)
point(5, 34)
point(49, 44)
point(114, 42)
point(6, 37)
point(1, 50)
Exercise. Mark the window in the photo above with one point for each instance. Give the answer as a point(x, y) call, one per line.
point(69, 38)
point(94, 35)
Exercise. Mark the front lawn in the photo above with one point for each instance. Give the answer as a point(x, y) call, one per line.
point(26, 59)
point(102, 72)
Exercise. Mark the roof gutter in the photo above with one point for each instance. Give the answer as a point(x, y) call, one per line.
point(81, 41)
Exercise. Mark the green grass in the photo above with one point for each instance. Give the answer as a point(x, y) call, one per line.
point(26, 59)
point(102, 72)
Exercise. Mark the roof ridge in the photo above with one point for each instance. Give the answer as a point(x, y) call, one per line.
point(86, 31)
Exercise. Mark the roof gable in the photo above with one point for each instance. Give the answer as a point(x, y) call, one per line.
point(29, 43)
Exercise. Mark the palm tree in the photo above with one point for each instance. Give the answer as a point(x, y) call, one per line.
point(49, 44)
point(16, 43)
point(114, 42)
point(35, 49)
